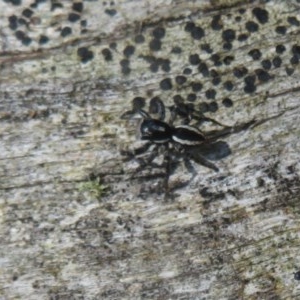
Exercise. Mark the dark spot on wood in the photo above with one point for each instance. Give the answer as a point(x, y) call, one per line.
point(261, 15)
point(166, 84)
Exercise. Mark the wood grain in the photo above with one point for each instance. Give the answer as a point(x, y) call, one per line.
point(76, 222)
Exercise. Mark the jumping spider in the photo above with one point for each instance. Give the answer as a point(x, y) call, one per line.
point(179, 140)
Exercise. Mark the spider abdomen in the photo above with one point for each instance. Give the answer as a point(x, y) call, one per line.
point(188, 135)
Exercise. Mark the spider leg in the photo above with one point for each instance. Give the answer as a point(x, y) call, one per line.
point(138, 151)
point(215, 122)
point(200, 117)
point(175, 111)
point(167, 162)
point(157, 107)
point(147, 161)
point(189, 166)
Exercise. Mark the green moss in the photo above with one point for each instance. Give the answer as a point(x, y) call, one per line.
point(94, 187)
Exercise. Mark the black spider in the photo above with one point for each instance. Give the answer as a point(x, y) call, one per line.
point(180, 140)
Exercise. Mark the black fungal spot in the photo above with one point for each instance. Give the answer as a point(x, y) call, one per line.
point(276, 61)
point(124, 63)
point(294, 60)
point(203, 107)
point(249, 84)
point(227, 46)
point(73, 17)
point(197, 33)
point(241, 11)
point(203, 69)
point(262, 75)
point(166, 84)
point(242, 37)
point(194, 59)
point(189, 26)
point(228, 35)
point(280, 49)
point(228, 85)
point(20, 35)
point(214, 73)
point(27, 13)
point(255, 54)
point(210, 94)
point(26, 41)
point(56, 5)
point(296, 50)
point(83, 23)
point(266, 64)
point(191, 97)
point(281, 30)
point(128, 51)
point(227, 102)
point(139, 39)
point(155, 45)
point(85, 54)
point(159, 33)
point(261, 15)
point(13, 22)
point(22, 21)
point(111, 12)
point(178, 99)
point(228, 60)
point(240, 72)
point(238, 18)
point(165, 65)
point(250, 79)
point(180, 79)
point(43, 40)
point(113, 45)
point(293, 21)
point(14, 2)
point(289, 71)
point(187, 71)
point(206, 48)
point(196, 86)
point(107, 54)
point(66, 31)
point(297, 275)
point(77, 6)
point(154, 67)
point(213, 107)
point(216, 59)
point(176, 50)
point(216, 23)
point(251, 26)
point(125, 70)
point(249, 88)
point(216, 81)
point(138, 102)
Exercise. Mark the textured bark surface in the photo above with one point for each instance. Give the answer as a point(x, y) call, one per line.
point(76, 221)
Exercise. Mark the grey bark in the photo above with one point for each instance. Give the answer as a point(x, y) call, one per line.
point(76, 222)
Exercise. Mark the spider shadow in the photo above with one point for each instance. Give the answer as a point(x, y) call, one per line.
point(205, 155)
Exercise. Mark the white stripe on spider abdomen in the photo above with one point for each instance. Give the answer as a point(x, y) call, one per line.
point(188, 135)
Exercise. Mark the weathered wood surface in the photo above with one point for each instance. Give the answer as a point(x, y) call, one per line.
point(227, 235)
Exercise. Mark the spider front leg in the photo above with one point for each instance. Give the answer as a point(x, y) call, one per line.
point(129, 155)
point(201, 117)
